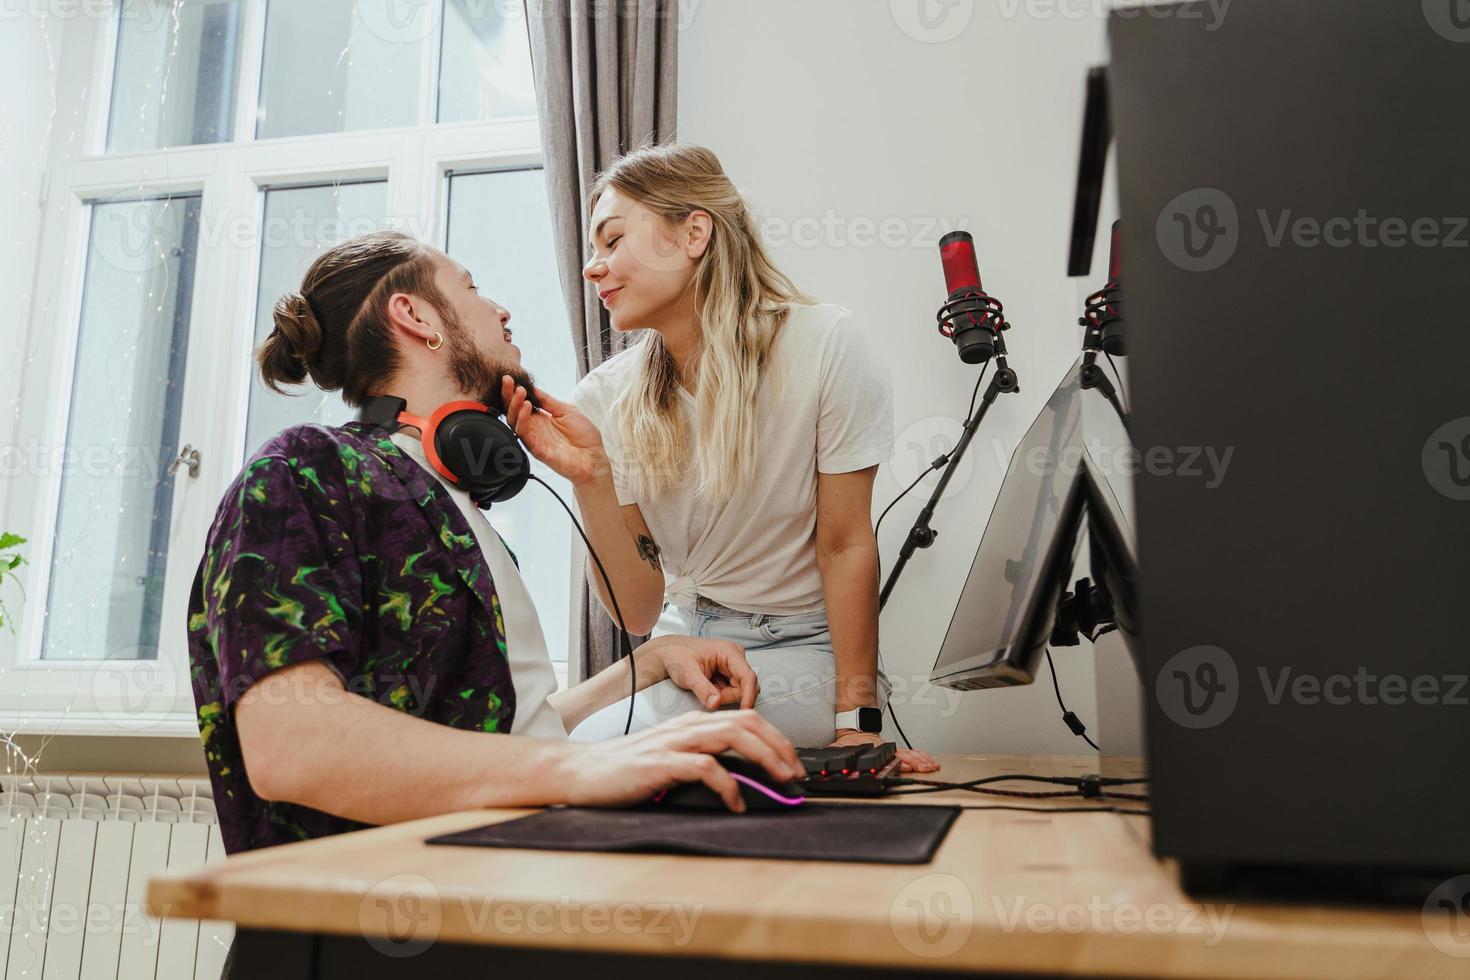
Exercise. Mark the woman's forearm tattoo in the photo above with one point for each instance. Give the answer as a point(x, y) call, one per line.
point(648, 551)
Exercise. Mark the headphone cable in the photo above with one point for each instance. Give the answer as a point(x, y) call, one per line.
point(625, 643)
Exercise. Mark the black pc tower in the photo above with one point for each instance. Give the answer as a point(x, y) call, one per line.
point(1294, 185)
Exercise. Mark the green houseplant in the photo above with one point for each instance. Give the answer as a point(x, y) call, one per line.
point(10, 560)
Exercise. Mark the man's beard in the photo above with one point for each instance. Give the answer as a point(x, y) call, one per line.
point(479, 375)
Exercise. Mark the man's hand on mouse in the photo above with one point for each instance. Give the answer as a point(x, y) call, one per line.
point(714, 671)
point(910, 760)
point(681, 750)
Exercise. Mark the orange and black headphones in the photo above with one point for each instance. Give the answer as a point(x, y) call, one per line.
point(463, 441)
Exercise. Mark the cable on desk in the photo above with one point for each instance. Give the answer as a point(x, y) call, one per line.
point(1060, 809)
point(1090, 785)
point(1087, 790)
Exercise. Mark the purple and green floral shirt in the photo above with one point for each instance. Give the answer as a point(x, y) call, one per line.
point(332, 544)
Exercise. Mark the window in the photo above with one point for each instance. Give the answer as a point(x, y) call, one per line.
point(106, 577)
point(240, 139)
point(330, 68)
point(175, 75)
point(328, 214)
point(485, 71)
point(499, 228)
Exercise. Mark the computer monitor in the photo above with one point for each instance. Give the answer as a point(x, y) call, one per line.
point(1054, 488)
point(1111, 461)
point(999, 628)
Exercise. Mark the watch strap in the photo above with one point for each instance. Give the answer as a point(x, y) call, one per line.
point(866, 719)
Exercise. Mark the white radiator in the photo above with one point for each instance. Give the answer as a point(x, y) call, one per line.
point(76, 853)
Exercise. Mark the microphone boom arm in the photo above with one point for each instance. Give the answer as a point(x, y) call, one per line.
point(921, 535)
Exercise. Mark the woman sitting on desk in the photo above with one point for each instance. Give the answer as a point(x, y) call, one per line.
point(724, 465)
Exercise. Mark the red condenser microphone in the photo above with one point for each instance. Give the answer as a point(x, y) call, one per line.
point(1103, 316)
point(970, 317)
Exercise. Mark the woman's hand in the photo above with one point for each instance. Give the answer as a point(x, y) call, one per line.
point(629, 770)
point(715, 671)
point(557, 433)
point(909, 760)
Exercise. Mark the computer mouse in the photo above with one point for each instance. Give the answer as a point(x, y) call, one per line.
point(761, 792)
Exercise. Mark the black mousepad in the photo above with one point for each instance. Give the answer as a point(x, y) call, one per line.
point(864, 832)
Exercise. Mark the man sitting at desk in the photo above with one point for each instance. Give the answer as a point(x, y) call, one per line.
point(361, 643)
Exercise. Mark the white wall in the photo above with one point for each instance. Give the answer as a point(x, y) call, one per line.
point(830, 111)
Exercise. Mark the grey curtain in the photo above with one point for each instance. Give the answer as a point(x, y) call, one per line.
point(606, 82)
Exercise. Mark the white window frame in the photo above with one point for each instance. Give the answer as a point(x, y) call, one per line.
point(98, 697)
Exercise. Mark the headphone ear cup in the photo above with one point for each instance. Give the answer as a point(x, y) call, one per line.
point(484, 455)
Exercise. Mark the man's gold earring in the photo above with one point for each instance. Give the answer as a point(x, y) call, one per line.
point(439, 337)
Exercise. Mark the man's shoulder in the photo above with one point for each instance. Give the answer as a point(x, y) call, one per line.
point(342, 449)
point(310, 455)
point(309, 441)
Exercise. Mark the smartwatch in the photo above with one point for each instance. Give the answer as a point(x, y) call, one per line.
point(863, 719)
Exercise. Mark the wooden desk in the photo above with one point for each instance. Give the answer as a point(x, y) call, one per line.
point(1007, 891)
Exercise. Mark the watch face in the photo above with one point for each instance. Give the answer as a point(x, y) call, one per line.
point(870, 720)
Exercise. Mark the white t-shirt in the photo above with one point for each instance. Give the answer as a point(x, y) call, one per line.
point(530, 664)
point(833, 413)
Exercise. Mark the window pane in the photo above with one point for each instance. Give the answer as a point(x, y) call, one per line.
point(300, 224)
point(333, 65)
point(485, 67)
point(500, 228)
point(112, 531)
point(174, 81)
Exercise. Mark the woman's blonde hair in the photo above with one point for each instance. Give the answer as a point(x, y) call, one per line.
point(741, 299)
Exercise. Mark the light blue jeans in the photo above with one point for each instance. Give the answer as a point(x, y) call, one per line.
point(791, 657)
